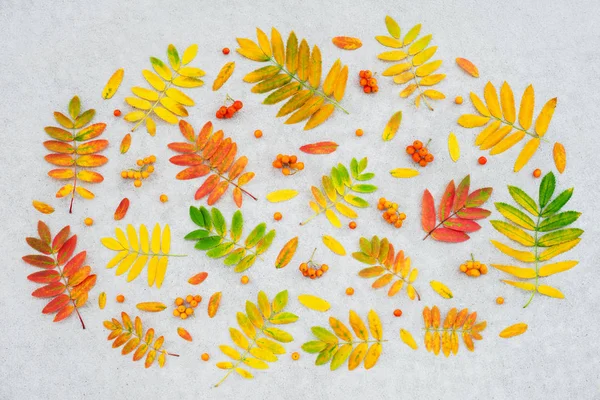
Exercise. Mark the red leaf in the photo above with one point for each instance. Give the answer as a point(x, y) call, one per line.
point(198, 278)
point(209, 184)
point(182, 147)
point(187, 159)
point(447, 201)
point(186, 130)
point(121, 209)
point(44, 232)
point(193, 172)
point(449, 235)
point(50, 290)
point(66, 250)
point(61, 237)
point(47, 276)
point(427, 212)
point(479, 197)
point(40, 261)
point(56, 304)
point(473, 213)
point(64, 312)
point(463, 225)
point(462, 192)
point(74, 264)
point(319, 148)
point(39, 245)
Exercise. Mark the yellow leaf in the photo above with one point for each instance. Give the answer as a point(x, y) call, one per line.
point(507, 142)
point(513, 330)
point(424, 56)
point(334, 245)
point(530, 287)
point(468, 67)
point(524, 273)
point(251, 50)
point(495, 138)
point(404, 77)
point(526, 109)
point(396, 69)
point(441, 289)
point(491, 99)
point(161, 271)
point(165, 115)
point(134, 116)
point(314, 302)
point(554, 251)
point(263, 42)
point(42, 207)
point(525, 155)
point(286, 253)
point(395, 55)
point(525, 256)
point(472, 121)
point(340, 84)
point(358, 326)
point(83, 192)
point(333, 219)
point(479, 106)
point(486, 132)
point(550, 291)
point(408, 90)
point(150, 126)
point(345, 210)
point(453, 147)
point(307, 109)
point(375, 325)
point(560, 157)
point(151, 306)
point(330, 79)
point(320, 116)
point(372, 355)
point(224, 75)
point(282, 195)
point(428, 68)
point(412, 34)
point(543, 120)
point(404, 173)
point(113, 84)
point(392, 126)
point(315, 70)
point(357, 356)
point(138, 103)
point(389, 42)
point(277, 46)
point(408, 339)
point(555, 268)
point(507, 101)
point(392, 27)
point(165, 243)
point(189, 54)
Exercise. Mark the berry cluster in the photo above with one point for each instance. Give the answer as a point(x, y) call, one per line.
point(368, 81)
point(419, 153)
point(473, 268)
point(185, 307)
point(312, 269)
point(289, 165)
point(145, 170)
point(228, 111)
point(391, 214)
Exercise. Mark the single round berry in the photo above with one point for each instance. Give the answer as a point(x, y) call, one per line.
point(350, 291)
point(482, 160)
point(238, 105)
point(120, 298)
point(352, 225)
point(117, 113)
point(458, 100)
point(225, 50)
point(137, 183)
point(164, 198)
point(277, 216)
point(88, 221)
point(537, 173)
point(295, 356)
point(397, 312)
point(205, 357)
point(258, 134)
point(500, 300)
point(244, 280)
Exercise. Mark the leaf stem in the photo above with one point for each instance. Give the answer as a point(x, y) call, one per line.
point(446, 219)
point(67, 288)
point(214, 170)
point(160, 96)
point(536, 261)
point(532, 134)
point(74, 179)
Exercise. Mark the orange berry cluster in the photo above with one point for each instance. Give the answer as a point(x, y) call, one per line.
point(185, 307)
point(313, 270)
point(391, 214)
point(419, 153)
point(228, 112)
point(473, 268)
point(146, 169)
point(368, 82)
point(289, 165)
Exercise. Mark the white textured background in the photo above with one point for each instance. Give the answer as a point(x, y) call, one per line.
point(52, 50)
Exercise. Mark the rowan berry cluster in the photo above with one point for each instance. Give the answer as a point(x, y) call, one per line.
point(473, 268)
point(289, 165)
point(227, 112)
point(146, 169)
point(313, 270)
point(185, 307)
point(391, 214)
point(368, 81)
point(419, 153)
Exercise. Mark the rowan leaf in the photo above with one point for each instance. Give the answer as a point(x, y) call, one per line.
point(453, 147)
point(404, 173)
point(42, 207)
point(223, 75)
point(441, 289)
point(468, 67)
point(314, 302)
point(347, 43)
point(513, 330)
point(151, 306)
point(326, 147)
point(213, 304)
point(282, 195)
point(333, 245)
point(392, 126)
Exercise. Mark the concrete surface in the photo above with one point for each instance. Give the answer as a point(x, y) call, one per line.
point(53, 50)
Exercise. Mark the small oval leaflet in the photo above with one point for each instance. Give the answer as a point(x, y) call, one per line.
point(314, 302)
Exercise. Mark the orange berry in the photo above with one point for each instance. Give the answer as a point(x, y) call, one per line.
point(368, 74)
point(277, 216)
point(222, 110)
point(183, 315)
point(319, 273)
point(181, 308)
point(398, 224)
point(483, 269)
point(375, 89)
point(286, 171)
point(285, 159)
point(402, 216)
point(380, 206)
point(423, 151)
point(363, 82)
point(237, 105)
point(300, 166)
point(145, 174)
point(293, 159)
point(410, 150)
point(120, 298)
point(189, 311)
point(349, 291)
point(198, 298)
point(537, 173)
point(416, 157)
point(117, 113)
point(295, 356)
point(458, 100)
point(225, 50)
point(482, 160)
point(123, 174)
point(473, 272)
point(152, 158)
point(423, 163)
point(463, 268)
point(361, 74)
point(88, 221)
point(388, 204)
point(130, 174)
point(397, 312)
point(367, 89)
point(372, 82)
point(352, 225)
point(205, 357)
point(429, 157)
point(305, 273)
point(137, 183)
point(176, 313)
point(194, 303)
point(417, 144)
point(258, 133)
point(189, 298)
point(324, 267)
point(359, 132)
point(277, 164)
point(382, 200)
point(244, 280)
point(304, 267)
point(140, 162)
point(500, 300)
point(178, 301)
point(150, 168)
point(163, 198)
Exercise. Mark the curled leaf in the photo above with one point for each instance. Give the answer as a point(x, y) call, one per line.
point(198, 278)
point(468, 67)
point(282, 195)
point(122, 209)
point(314, 302)
point(346, 42)
point(42, 207)
point(319, 148)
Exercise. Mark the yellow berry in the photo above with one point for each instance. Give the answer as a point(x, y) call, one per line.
point(150, 168)
point(245, 280)
point(176, 313)
point(137, 183)
point(152, 158)
point(88, 221)
point(500, 300)
point(189, 311)
point(164, 198)
point(181, 308)
point(295, 356)
point(458, 100)
point(183, 316)
point(140, 162)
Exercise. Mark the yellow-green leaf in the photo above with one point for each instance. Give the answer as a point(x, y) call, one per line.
point(113, 84)
point(392, 126)
point(314, 302)
point(282, 195)
point(333, 245)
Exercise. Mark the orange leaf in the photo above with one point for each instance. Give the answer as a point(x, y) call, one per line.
point(62, 160)
point(216, 194)
point(237, 197)
point(125, 143)
point(213, 304)
point(42, 207)
point(468, 67)
point(122, 209)
point(59, 147)
point(65, 251)
point(182, 147)
point(449, 235)
point(74, 264)
point(47, 276)
point(427, 212)
point(84, 286)
point(346, 42)
point(90, 132)
point(560, 157)
point(56, 304)
point(237, 167)
point(61, 173)
point(90, 176)
point(184, 334)
point(209, 184)
point(92, 160)
point(198, 278)
point(193, 172)
point(319, 148)
point(186, 130)
point(287, 253)
point(50, 290)
point(64, 312)
point(91, 147)
point(186, 160)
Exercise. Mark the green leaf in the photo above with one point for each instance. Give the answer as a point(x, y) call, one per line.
point(364, 258)
point(365, 177)
point(246, 263)
point(325, 355)
point(356, 201)
point(365, 245)
point(362, 164)
point(208, 242)
point(220, 251)
point(206, 217)
point(514, 233)
point(197, 234)
point(218, 221)
point(354, 168)
point(283, 318)
point(558, 203)
point(515, 215)
point(343, 171)
point(558, 221)
point(560, 236)
point(280, 301)
point(74, 107)
point(264, 243)
point(524, 200)
point(237, 224)
point(547, 188)
point(314, 346)
point(324, 334)
point(340, 356)
point(257, 233)
point(279, 335)
point(364, 188)
point(336, 178)
point(197, 217)
point(234, 257)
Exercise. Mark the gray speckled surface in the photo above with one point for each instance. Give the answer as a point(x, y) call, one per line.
point(52, 50)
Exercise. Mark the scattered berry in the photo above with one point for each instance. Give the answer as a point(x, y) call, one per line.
point(88, 221)
point(258, 133)
point(352, 225)
point(350, 291)
point(245, 280)
point(311, 269)
point(419, 153)
point(482, 160)
point(145, 170)
point(390, 212)
point(397, 312)
point(458, 100)
point(368, 83)
point(295, 356)
point(164, 198)
point(205, 357)
point(117, 113)
point(473, 268)
point(289, 165)
point(537, 173)
point(359, 132)
point(120, 298)
point(225, 50)
point(277, 216)
point(500, 300)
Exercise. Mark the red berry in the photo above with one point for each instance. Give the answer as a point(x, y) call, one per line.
point(238, 105)
point(482, 160)
point(219, 115)
point(225, 50)
point(117, 113)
